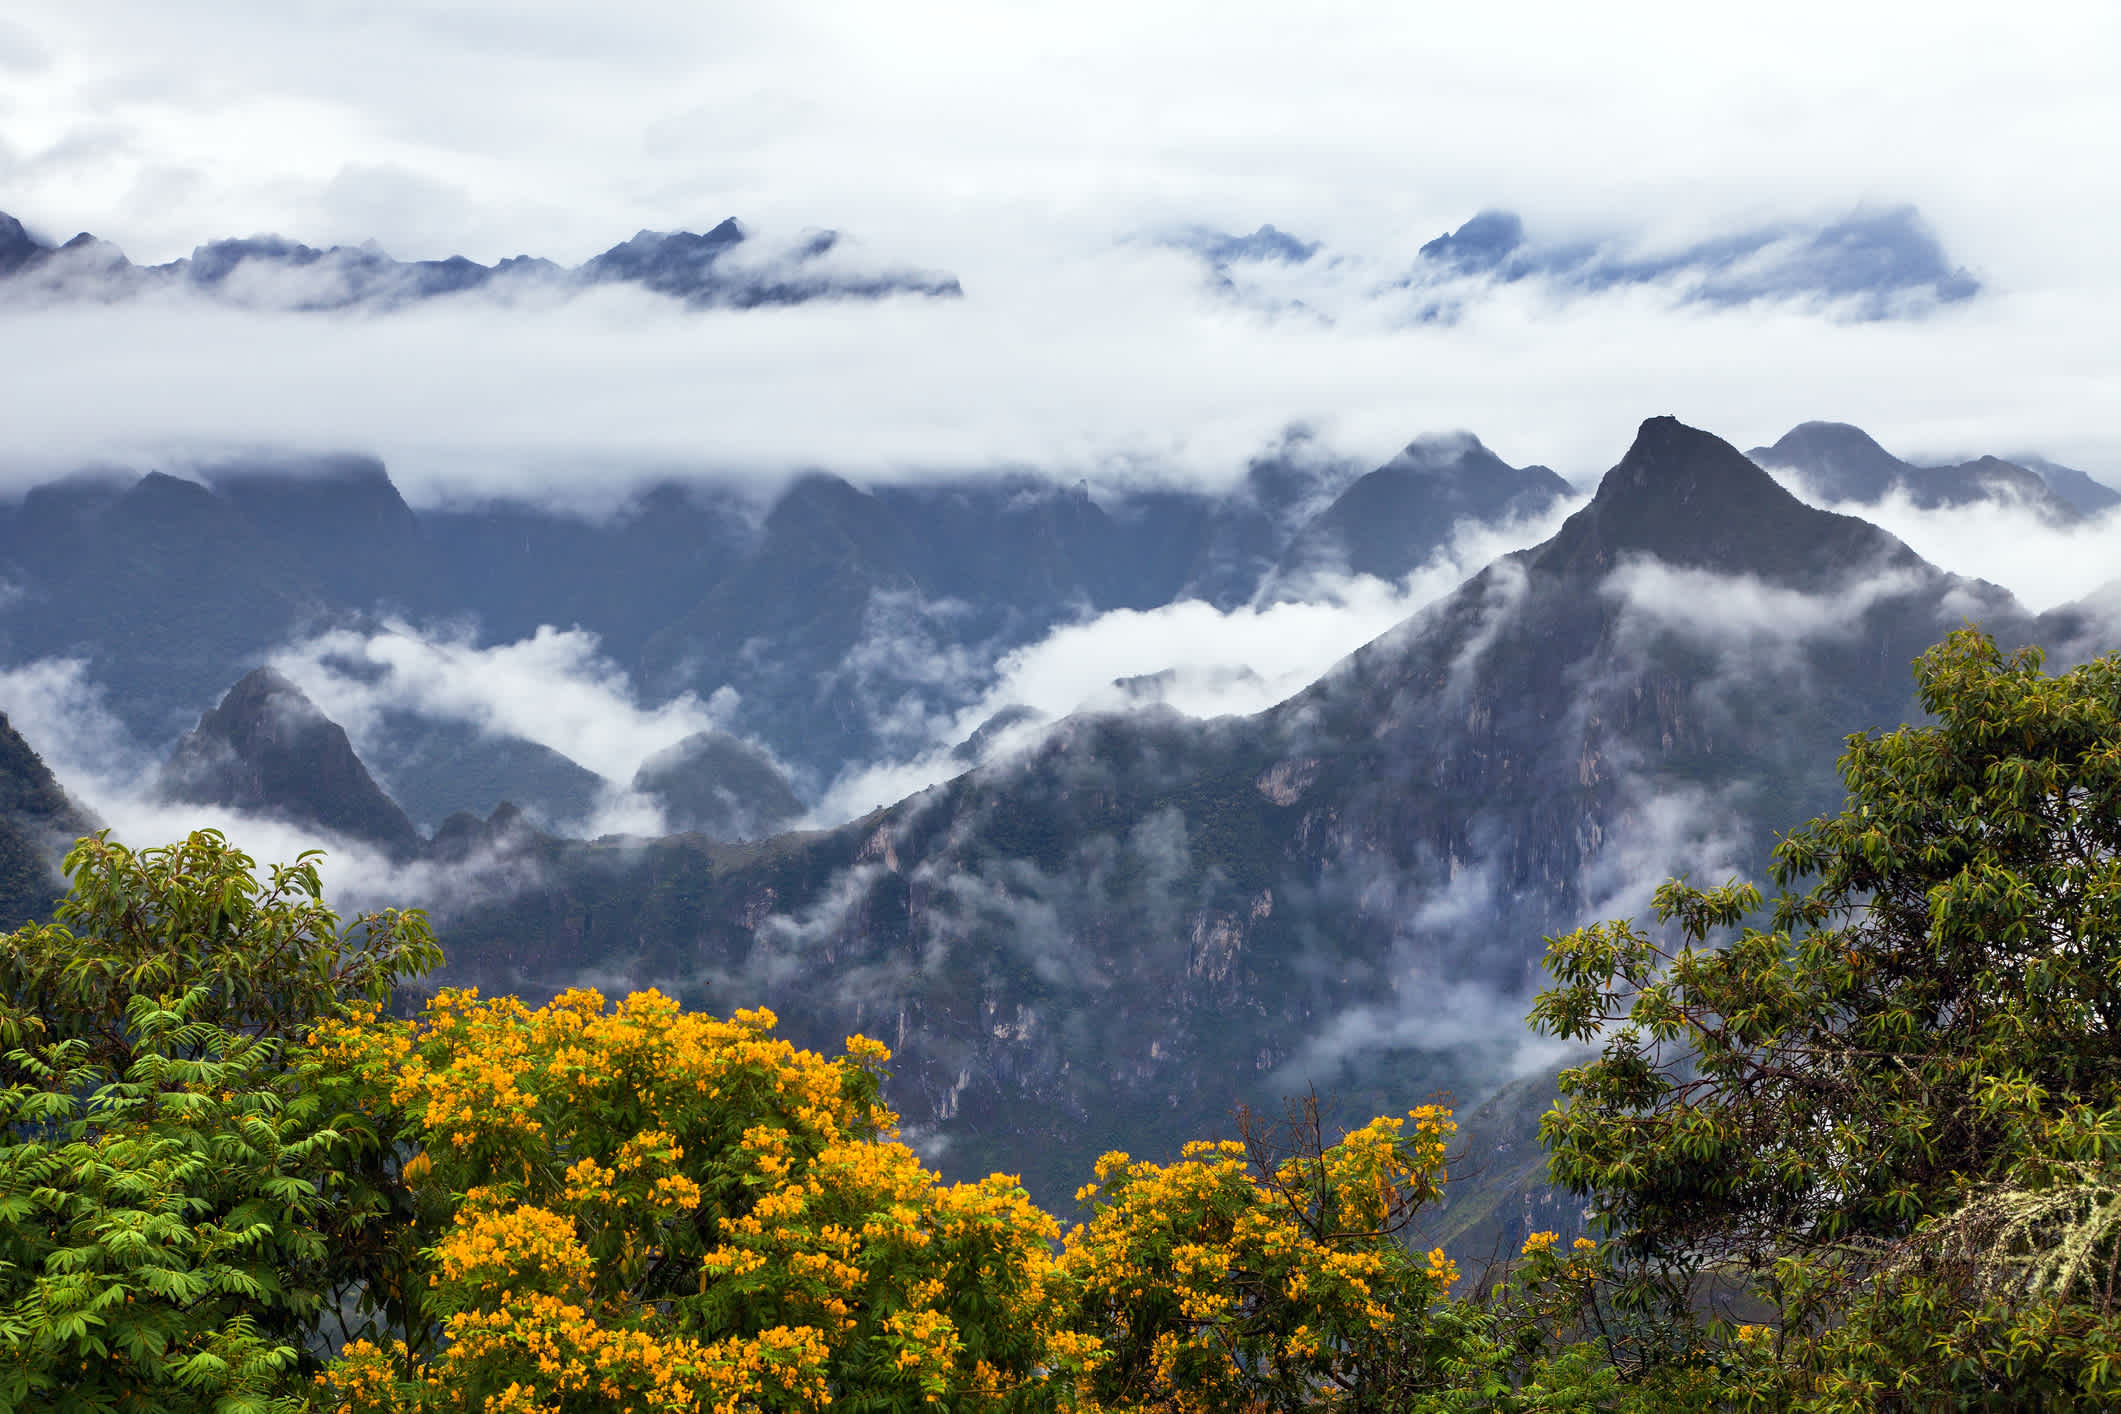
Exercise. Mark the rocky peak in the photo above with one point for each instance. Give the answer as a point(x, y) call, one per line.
point(1396, 518)
point(268, 749)
point(1693, 500)
point(17, 246)
point(1844, 461)
point(720, 786)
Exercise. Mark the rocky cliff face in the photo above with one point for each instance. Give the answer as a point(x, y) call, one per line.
point(38, 821)
point(1152, 918)
point(267, 750)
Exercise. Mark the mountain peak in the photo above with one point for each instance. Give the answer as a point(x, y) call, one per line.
point(1691, 499)
point(17, 246)
point(1841, 460)
point(719, 786)
point(1394, 519)
point(1843, 463)
point(268, 748)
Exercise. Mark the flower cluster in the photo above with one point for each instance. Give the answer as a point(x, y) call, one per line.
point(650, 1208)
point(1218, 1282)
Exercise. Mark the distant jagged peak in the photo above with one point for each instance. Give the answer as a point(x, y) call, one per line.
point(266, 748)
point(720, 786)
point(1436, 451)
point(276, 272)
point(1692, 500)
point(1840, 462)
point(1821, 439)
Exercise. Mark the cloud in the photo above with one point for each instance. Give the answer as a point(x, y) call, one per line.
point(1742, 614)
point(554, 688)
point(1480, 1027)
point(60, 711)
point(2006, 543)
point(1187, 656)
point(1020, 150)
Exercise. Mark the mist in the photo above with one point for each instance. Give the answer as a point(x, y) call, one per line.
point(1188, 656)
point(60, 712)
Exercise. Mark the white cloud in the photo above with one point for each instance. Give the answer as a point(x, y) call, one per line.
point(553, 688)
point(1020, 147)
point(2042, 563)
point(1737, 613)
point(1200, 660)
point(60, 712)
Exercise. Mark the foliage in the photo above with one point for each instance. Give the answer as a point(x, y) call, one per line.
point(166, 1182)
point(1917, 1050)
point(269, 956)
point(647, 1208)
point(1265, 1275)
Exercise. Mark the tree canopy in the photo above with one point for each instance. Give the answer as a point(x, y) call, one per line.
point(1830, 1097)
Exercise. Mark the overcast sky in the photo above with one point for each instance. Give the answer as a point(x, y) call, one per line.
point(1031, 149)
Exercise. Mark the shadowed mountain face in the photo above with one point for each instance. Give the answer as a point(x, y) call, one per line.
point(1842, 463)
point(1151, 918)
point(439, 767)
point(267, 750)
point(2089, 495)
point(720, 787)
point(272, 272)
point(828, 612)
point(37, 824)
point(1395, 520)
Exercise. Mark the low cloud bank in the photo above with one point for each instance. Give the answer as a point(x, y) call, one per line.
point(554, 688)
point(61, 713)
point(1112, 365)
point(1866, 265)
point(1188, 656)
point(2003, 542)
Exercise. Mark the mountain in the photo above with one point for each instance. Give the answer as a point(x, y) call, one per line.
point(1395, 519)
point(273, 272)
point(37, 823)
point(2087, 493)
point(1841, 463)
point(341, 517)
point(435, 767)
point(1147, 918)
point(1877, 264)
point(166, 586)
point(717, 785)
point(845, 620)
point(267, 750)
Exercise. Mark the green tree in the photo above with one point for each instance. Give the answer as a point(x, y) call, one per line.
point(1880, 1100)
point(172, 1196)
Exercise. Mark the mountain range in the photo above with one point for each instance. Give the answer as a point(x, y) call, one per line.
point(1113, 935)
point(823, 612)
point(1873, 263)
point(1149, 918)
point(724, 268)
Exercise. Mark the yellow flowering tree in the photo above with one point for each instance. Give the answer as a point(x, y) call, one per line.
point(639, 1207)
point(1268, 1274)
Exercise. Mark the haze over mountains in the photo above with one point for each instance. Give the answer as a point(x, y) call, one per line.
point(834, 626)
point(1118, 923)
point(1869, 265)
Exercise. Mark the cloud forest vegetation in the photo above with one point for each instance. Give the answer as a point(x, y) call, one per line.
point(1854, 1144)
